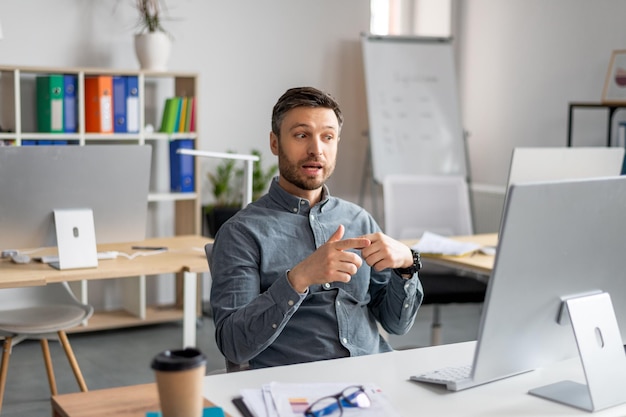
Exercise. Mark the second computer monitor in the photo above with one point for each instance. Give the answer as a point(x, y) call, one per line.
point(110, 180)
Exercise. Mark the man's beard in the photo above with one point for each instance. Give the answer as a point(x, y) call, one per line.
point(290, 172)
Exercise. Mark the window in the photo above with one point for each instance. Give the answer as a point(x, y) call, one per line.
point(411, 17)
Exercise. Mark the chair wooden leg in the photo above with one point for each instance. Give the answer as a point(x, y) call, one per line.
point(72, 359)
point(49, 369)
point(4, 366)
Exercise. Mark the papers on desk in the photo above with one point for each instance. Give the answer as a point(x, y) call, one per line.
point(278, 399)
point(434, 244)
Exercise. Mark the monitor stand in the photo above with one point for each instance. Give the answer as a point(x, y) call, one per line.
point(602, 355)
point(76, 239)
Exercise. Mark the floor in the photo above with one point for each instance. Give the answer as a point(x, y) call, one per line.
point(122, 357)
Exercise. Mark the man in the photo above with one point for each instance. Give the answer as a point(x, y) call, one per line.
point(300, 275)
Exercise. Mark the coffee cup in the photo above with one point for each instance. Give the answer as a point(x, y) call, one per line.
point(179, 375)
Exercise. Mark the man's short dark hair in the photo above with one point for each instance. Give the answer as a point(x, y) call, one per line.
point(303, 97)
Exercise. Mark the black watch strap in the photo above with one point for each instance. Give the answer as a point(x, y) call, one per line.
point(417, 265)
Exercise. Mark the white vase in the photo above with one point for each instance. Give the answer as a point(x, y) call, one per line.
point(153, 50)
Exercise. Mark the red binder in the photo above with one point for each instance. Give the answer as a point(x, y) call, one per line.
point(99, 104)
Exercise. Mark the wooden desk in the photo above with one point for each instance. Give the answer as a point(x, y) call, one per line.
point(132, 401)
point(185, 255)
point(391, 372)
point(476, 263)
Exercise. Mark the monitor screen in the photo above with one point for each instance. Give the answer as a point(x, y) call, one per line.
point(558, 239)
point(111, 180)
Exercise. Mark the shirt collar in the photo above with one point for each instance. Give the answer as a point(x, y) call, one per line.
point(293, 203)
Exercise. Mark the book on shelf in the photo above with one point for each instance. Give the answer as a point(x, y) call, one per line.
point(170, 112)
point(183, 114)
point(99, 104)
point(190, 108)
point(182, 167)
point(192, 122)
point(70, 109)
point(178, 115)
point(50, 103)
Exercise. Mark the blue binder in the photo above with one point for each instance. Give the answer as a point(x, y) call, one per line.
point(70, 116)
point(132, 104)
point(119, 104)
point(182, 167)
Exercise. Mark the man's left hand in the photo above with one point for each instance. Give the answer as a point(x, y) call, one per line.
point(385, 252)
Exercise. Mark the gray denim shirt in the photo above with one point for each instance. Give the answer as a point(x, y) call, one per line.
point(259, 317)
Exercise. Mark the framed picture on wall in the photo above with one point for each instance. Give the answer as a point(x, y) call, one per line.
point(615, 83)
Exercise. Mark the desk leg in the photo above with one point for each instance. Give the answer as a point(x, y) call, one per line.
point(189, 308)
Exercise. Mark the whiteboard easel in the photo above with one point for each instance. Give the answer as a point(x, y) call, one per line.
point(412, 99)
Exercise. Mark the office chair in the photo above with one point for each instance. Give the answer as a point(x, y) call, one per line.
point(39, 313)
point(438, 204)
point(230, 366)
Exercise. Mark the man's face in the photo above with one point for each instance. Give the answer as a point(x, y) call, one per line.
point(307, 148)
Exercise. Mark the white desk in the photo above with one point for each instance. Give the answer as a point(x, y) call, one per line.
point(390, 371)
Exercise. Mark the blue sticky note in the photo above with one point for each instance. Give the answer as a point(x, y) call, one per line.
point(213, 412)
point(206, 412)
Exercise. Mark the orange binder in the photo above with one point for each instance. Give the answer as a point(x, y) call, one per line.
point(99, 104)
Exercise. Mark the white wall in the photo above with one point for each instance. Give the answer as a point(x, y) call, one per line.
point(521, 63)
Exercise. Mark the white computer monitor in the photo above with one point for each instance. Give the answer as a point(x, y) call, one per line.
point(530, 164)
point(558, 240)
point(110, 180)
point(559, 163)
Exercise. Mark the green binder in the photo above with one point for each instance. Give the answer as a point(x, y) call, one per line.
point(50, 103)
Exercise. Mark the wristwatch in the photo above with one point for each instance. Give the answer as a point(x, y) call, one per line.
point(417, 265)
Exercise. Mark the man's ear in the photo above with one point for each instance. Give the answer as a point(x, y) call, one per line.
point(274, 143)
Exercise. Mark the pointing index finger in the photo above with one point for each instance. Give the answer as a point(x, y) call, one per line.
point(353, 243)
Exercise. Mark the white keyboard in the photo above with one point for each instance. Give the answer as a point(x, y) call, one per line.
point(454, 378)
point(101, 256)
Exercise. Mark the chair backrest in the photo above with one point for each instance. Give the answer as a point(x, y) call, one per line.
point(414, 204)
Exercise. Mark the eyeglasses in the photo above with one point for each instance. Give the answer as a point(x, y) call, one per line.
point(353, 396)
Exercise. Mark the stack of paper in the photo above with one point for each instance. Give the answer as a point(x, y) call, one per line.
point(278, 399)
point(433, 244)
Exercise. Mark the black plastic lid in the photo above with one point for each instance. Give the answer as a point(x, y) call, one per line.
point(178, 360)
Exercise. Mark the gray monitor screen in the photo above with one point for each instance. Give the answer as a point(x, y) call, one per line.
point(112, 180)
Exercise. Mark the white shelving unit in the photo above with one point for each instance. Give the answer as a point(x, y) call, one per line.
point(18, 123)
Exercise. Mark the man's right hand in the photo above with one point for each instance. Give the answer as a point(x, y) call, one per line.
point(329, 263)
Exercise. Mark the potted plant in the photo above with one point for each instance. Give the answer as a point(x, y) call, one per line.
point(152, 43)
point(226, 185)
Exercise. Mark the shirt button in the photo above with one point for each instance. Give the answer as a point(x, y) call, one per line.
point(327, 285)
point(406, 306)
point(344, 340)
point(302, 202)
point(290, 302)
point(274, 326)
point(312, 217)
point(295, 209)
point(338, 303)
